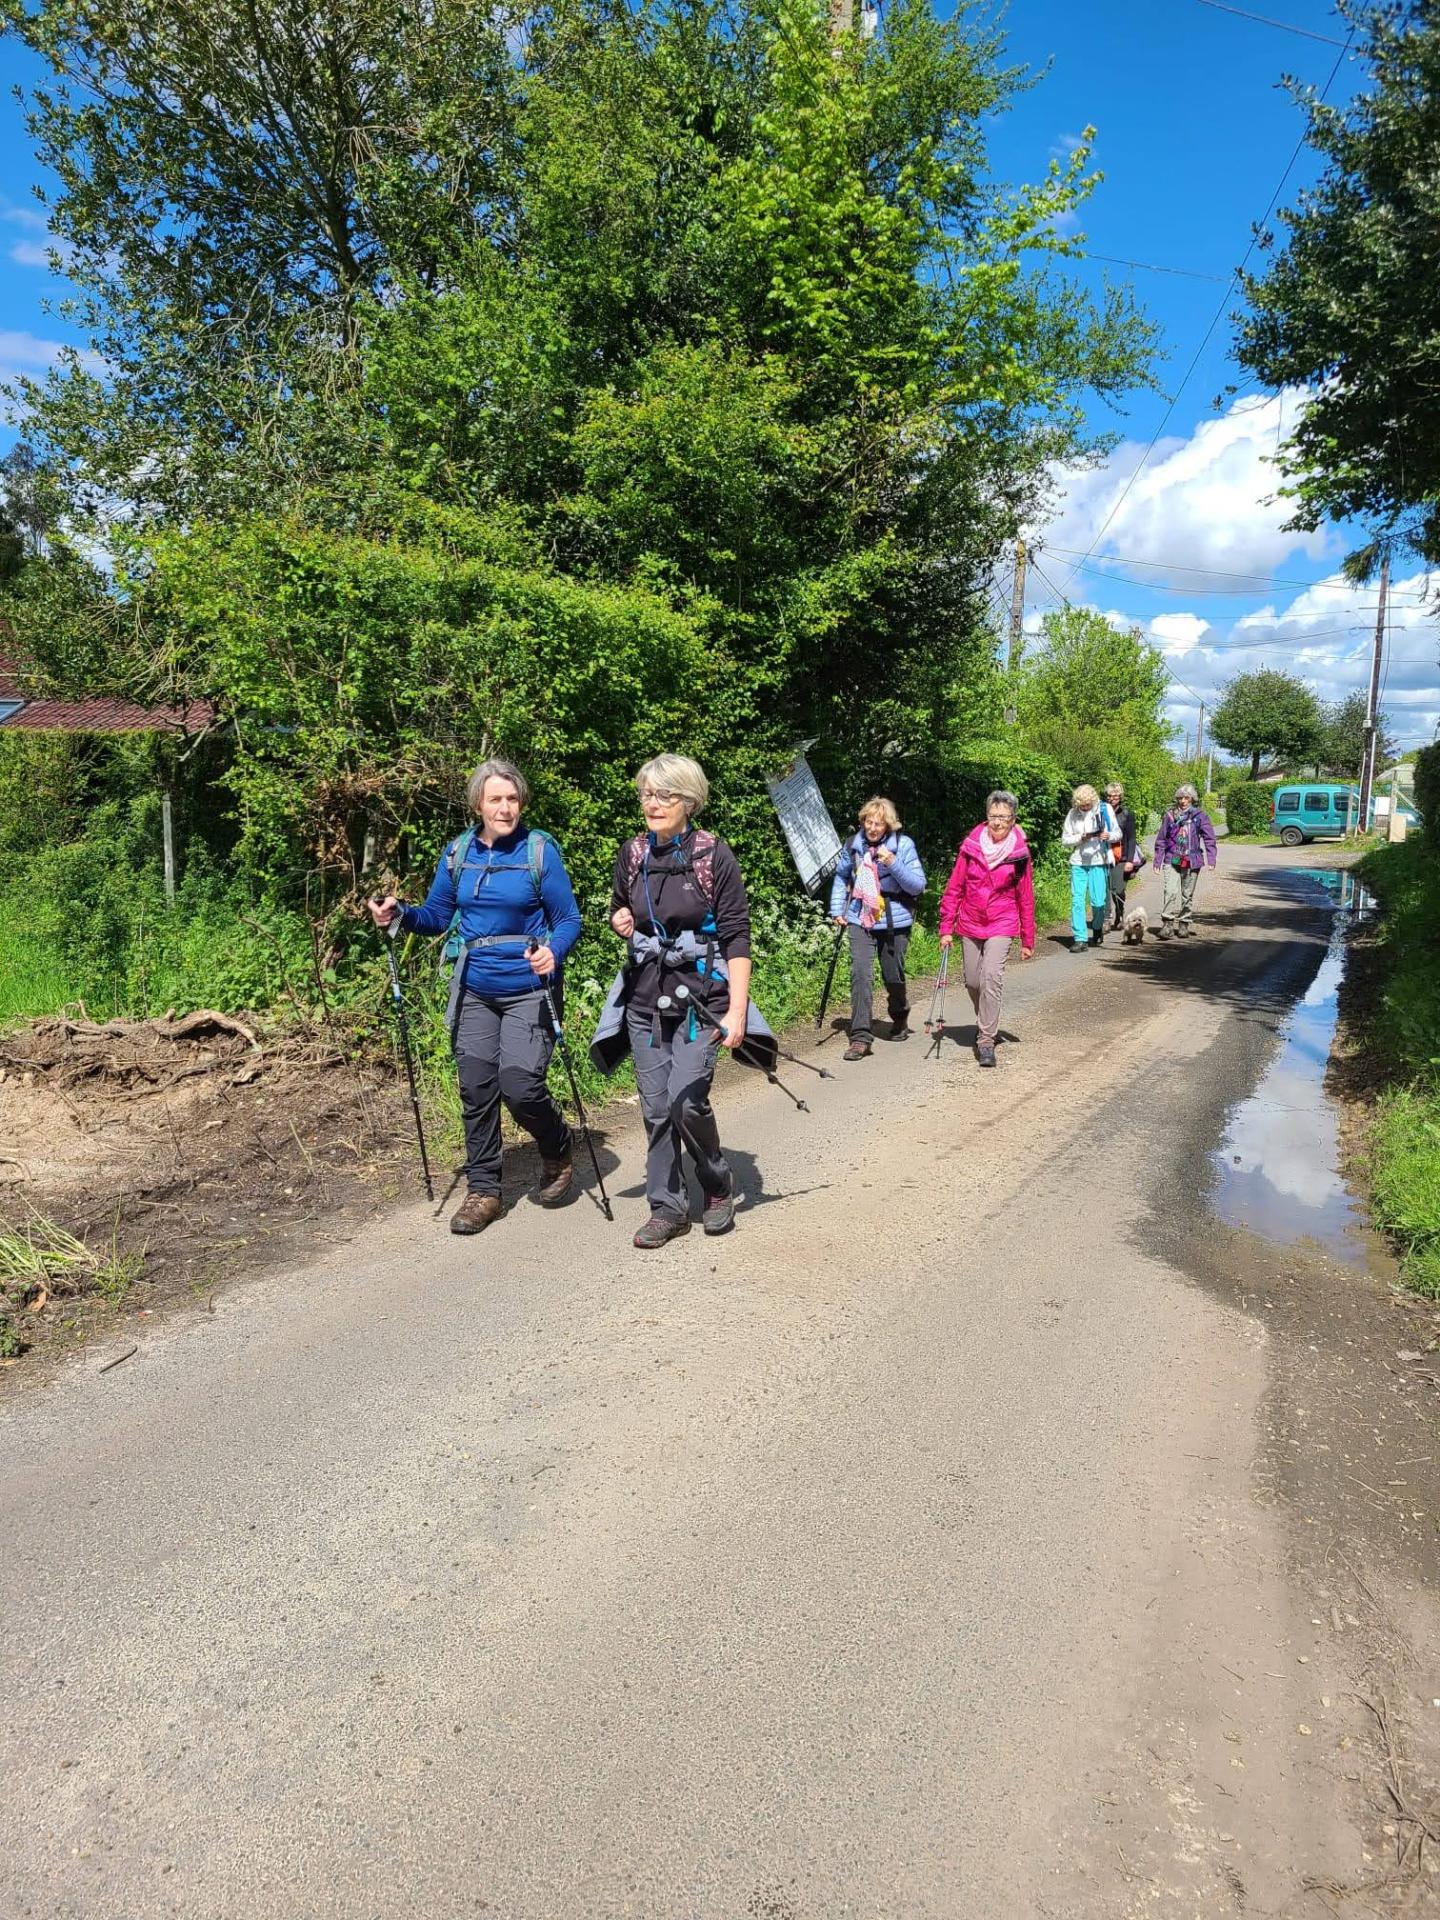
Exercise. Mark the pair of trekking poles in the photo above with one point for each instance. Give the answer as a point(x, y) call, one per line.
point(397, 999)
point(934, 1020)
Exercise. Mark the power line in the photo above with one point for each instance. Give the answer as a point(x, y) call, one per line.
point(1214, 322)
point(1264, 20)
point(1146, 266)
point(1264, 581)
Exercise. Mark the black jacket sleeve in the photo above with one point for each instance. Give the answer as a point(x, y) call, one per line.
point(732, 908)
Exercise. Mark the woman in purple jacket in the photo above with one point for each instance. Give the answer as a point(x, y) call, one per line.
point(1184, 844)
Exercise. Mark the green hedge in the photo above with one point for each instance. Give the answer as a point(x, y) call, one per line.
point(1427, 795)
point(1248, 807)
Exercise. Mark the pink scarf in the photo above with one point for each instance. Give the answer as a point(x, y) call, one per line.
point(997, 850)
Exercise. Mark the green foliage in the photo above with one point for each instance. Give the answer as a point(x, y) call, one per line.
point(1405, 1180)
point(1405, 1165)
point(1346, 308)
point(1267, 713)
point(1427, 796)
point(601, 382)
point(1248, 806)
point(1340, 750)
point(1090, 699)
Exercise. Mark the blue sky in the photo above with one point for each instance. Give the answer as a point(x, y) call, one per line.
point(1194, 133)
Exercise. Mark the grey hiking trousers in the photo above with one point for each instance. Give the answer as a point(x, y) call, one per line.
point(674, 1075)
point(502, 1050)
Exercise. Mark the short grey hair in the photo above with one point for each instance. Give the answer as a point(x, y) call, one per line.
point(1186, 792)
point(676, 773)
point(496, 770)
point(1000, 798)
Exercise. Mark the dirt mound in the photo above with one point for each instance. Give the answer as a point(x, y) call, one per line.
point(186, 1149)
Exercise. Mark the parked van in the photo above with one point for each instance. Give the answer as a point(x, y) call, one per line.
point(1320, 810)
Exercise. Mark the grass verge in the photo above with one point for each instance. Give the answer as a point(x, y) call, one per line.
point(1405, 1140)
point(39, 1259)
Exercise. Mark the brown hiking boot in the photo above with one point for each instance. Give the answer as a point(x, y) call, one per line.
point(857, 1050)
point(659, 1228)
point(557, 1180)
point(475, 1213)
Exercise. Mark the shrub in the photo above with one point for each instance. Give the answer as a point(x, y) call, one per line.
point(1248, 807)
point(1427, 795)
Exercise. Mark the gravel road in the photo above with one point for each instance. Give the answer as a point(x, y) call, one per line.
point(923, 1549)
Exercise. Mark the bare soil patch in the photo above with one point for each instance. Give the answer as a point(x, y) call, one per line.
point(183, 1151)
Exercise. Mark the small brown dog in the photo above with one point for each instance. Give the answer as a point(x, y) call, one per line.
point(1136, 923)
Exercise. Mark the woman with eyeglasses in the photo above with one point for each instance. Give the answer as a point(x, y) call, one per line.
point(679, 903)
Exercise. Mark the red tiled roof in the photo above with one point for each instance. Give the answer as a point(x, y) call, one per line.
point(96, 715)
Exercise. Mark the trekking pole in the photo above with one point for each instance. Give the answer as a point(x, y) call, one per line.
point(935, 1019)
point(708, 1019)
point(397, 1000)
point(829, 978)
point(561, 1042)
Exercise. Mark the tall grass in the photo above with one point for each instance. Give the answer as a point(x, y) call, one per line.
point(1405, 1149)
point(34, 977)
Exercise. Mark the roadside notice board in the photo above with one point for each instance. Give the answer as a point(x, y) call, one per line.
point(805, 819)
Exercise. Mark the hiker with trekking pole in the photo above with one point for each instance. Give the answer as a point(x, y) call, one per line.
point(517, 921)
point(989, 900)
point(679, 904)
point(877, 881)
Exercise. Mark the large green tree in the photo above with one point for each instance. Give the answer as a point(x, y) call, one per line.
point(1346, 305)
point(1266, 713)
point(446, 344)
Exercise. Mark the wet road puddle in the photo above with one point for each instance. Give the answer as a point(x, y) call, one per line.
point(1278, 1166)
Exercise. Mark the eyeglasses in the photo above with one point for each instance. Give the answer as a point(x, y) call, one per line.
point(662, 796)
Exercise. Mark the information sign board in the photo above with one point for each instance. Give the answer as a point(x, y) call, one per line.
point(805, 819)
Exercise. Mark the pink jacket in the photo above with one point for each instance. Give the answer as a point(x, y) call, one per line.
point(980, 902)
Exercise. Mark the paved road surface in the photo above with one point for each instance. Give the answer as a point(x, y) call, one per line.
point(905, 1554)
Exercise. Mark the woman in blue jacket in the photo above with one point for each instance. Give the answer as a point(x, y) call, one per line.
point(510, 888)
point(878, 878)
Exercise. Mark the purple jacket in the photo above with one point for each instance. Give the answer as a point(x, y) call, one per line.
point(1188, 835)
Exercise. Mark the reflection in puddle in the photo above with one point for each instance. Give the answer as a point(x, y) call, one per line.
point(1279, 1162)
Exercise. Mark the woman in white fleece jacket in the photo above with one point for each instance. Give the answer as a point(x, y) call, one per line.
point(1090, 831)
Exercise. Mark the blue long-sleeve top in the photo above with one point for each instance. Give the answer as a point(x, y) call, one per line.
point(495, 893)
point(900, 883)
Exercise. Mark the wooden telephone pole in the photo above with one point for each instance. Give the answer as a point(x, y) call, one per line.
point(1367, 762)
point(1016, 642)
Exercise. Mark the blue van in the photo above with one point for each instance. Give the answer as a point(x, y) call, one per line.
point(1320, 810)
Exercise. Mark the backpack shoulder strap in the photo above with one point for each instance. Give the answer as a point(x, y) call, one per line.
point(702, 860)
point(635, 856)
point(454, 854)
point(535, 846)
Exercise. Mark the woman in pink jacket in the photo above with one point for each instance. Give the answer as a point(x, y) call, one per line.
point(988, 900)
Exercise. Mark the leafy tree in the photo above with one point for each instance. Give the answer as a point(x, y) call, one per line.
point(1346, 307)
point(620, 377)
point(1341, 747)
point(1267, 713)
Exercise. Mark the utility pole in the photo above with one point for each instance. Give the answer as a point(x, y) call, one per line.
point(1367, 762)
point(1016, 643)
point(1200, 734)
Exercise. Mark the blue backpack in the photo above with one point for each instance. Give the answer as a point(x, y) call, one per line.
point(457, 859)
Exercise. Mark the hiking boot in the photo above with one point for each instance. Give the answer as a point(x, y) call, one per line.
point(557, 1179)
point(1162, 932)
point(719, 1215)
point(857, 1050)
point(985, 1052)
point(476, 1211)
point(659, 1228)
point(901, 1029)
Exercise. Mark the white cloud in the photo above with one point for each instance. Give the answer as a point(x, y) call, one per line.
point(1203, 502)
point(26, 355)
point(26, 217)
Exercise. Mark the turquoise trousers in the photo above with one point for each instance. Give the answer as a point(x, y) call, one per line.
point(1088, 886)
